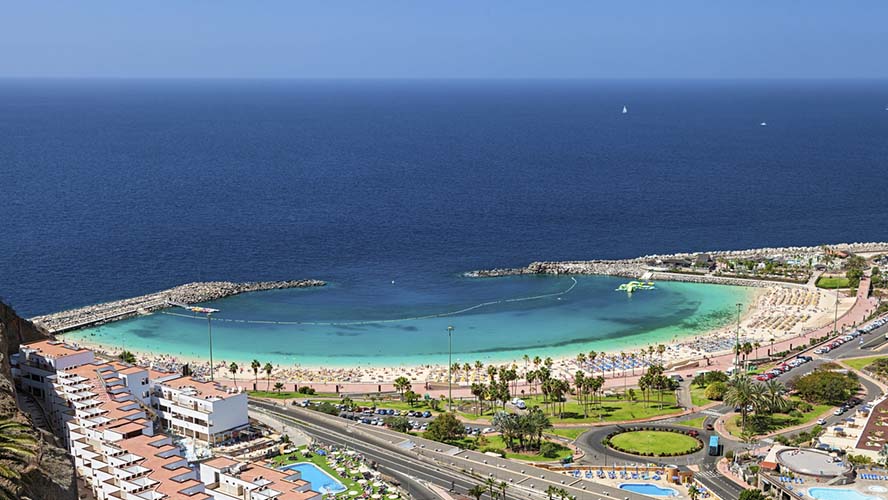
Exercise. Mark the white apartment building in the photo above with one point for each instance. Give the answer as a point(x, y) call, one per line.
point(226, 479)
point(112, 442)
point(204, 411)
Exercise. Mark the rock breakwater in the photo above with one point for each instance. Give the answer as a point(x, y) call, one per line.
point(638, 266)
point(189, 293)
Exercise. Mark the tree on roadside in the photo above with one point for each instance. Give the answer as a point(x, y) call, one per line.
point(278, 387)
point(233, 369)
point(268, 369)
point(752, 495)
point(477, 491)
point(255, 365)
point(411, 397)
point(478, 390)
point(693, 492)
point(446, 427)
point(402, 385)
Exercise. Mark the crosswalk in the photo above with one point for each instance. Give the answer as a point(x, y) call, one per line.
point(707, 473)
point(712, 413)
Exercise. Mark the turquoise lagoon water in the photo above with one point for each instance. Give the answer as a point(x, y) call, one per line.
point(369, 324)
point(320, 481)
point(649, 489)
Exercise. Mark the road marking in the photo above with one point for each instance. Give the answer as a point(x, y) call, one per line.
point(712, 413)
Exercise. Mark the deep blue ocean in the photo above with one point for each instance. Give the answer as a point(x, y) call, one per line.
point(113, 188)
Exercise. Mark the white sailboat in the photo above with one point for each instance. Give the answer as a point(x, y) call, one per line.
point(764, 124)
point(625, 109)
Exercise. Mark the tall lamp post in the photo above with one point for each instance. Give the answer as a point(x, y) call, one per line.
point(202, 310)
point(737, 338)
point(449, 368)
point(836, 314)
point(210, 337)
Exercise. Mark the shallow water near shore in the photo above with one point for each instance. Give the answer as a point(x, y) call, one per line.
point(375, 324)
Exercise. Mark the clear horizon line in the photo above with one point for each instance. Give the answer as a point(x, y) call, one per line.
point(449, 78)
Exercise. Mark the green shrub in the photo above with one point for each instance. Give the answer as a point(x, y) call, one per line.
point(549, 449)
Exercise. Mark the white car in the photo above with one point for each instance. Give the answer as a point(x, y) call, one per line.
point(821, 421)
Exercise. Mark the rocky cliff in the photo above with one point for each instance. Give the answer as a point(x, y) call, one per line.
point(51, 474)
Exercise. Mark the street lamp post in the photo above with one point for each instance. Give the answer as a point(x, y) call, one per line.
point(210, 335)
point(737, 339)
point(449, 368)
point(836, 314)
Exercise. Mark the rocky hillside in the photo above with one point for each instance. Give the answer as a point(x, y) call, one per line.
point(51, 474)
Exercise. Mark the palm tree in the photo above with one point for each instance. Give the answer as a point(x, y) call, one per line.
point(233, 369)
point(592, 356)
point(633, 358)
point(267, 369)
point(490, 483)
point(774, 397)
point(255, 365)
point(581, 358)
point(15, 445)
point(402, 385)
point(278, 386)
point(477, 491)
point(551, 491)
point(693, 492)
point(503, 486)
point(623, 367)
point(741, 394)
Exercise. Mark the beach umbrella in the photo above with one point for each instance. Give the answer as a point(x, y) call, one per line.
point(352, 493)
point(376, 496)
point(392, 497)
point(362, 481)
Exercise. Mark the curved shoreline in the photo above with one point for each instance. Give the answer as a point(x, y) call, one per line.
point(189, 293)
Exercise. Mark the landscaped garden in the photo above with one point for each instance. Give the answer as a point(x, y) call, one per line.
point(861, 363)
point(343, 467)
point(607, 409)
point(833, 282)
point(694, 422)
point(768, 423)
point(654, 442)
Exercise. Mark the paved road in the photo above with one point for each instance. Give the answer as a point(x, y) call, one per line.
point(437, 463)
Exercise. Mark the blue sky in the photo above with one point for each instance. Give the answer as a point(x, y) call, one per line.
point(445, 39)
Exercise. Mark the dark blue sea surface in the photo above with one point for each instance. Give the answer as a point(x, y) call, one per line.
point(113, 188)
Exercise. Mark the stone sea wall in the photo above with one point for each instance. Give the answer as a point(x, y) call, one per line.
point(635, 267)
point(190, 293)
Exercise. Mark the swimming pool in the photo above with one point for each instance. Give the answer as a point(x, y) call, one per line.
point(320, 481)
point(839, 494)
point(649, 489)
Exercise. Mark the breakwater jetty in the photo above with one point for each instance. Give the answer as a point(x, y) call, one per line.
point(189, 293)
point(698, 267)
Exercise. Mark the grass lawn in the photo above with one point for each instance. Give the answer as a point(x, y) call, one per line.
point(860, 363)
point(654, 442)
point(496, 443)
point(777, 421)
point(694, 422)
point(568, 432)
point(833, 282)
point(698, 397)
point(610, 409)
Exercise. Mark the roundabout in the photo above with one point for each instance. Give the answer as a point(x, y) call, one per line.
point(654, 442)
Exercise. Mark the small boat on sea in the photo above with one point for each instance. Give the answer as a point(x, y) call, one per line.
point(635, 285)
point(764, 124)
point(625, 109)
